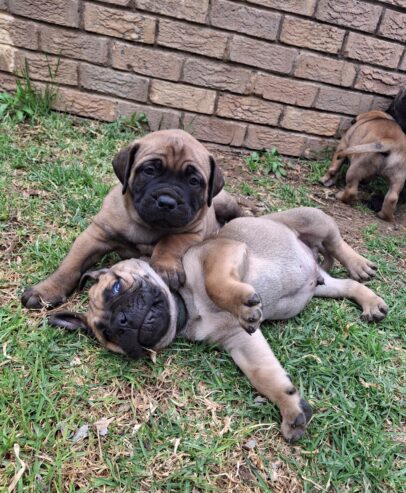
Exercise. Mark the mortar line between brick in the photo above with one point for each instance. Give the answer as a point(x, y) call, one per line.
point(223, 31)
point(380, 21)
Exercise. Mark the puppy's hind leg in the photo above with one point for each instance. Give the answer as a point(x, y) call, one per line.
point(373, 307)
point(224, 265)
point(256, 359)
point(320, 233)
point(391, 198)
point(330, 177)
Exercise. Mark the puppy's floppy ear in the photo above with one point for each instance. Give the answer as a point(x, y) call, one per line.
point(69, 321)
point(93, 275)
point(216, 181)
point(123, 162)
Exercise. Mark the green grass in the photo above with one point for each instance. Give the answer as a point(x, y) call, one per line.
point(180, 424)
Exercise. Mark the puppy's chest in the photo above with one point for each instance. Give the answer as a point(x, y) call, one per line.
point(206, 321)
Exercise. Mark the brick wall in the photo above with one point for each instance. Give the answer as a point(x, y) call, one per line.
point(253, 74)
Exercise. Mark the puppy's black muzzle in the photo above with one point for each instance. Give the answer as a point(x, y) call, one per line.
point(167, 206)
point(139, 319)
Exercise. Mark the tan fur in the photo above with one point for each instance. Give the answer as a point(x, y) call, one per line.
point(256, 269)
point(118, 227)
point(376, 145)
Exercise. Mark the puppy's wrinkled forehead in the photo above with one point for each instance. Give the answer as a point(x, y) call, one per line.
point(174, 147)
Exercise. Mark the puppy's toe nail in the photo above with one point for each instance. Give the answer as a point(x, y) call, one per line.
point(250, 329)
point(254, 300)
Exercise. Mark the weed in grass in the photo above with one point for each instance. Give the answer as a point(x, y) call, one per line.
point(269, 162)
point(28, 103)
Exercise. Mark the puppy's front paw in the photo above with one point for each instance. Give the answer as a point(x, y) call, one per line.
point(294, 423)
point(374, 309)
point(39, 296)
point(250, 313)
point(173, 274)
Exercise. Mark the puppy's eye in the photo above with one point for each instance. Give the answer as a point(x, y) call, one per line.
point(194, 181)
point(149, 171)
point(116, 289)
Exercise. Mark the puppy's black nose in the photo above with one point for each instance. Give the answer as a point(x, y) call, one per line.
point(166, 202)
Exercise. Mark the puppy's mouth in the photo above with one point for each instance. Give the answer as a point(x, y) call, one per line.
point(139, 319)
point(165, 208)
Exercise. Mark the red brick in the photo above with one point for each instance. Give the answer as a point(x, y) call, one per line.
point(311, 122)
point(343, 101)
point(85, 104)
point(403, 64)
point(73, 44)
point(119, 23)
point(261, 54)
point(309, 34)
point(7, 57)
point(143, 60)
point(158, 118)
point(381, 103)
point(7, 81)
point(259, 137)
point(249, 108)
point(3, 4)
point(107, 81)
point(350, 13)
point(190, 10)
point(201, 72)
point(369, 49)
point(64, 12)
point(285, 90)
point(212, 129)
point(379, 81)
point(240, 18)
point(305, 7)
point(182, 96)
point(318, 147)
point(18, 32)
point(195, 39)
point(393, 25)
point(40, 65)
point(345, 124)
point(323, 69)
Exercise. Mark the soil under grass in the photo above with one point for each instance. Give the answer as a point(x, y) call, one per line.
point(190, 421)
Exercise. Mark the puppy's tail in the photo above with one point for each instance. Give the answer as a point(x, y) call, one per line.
point(363, 148)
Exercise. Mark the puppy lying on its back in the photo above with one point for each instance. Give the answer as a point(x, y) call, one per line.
point(255, 269)
point(376, 145)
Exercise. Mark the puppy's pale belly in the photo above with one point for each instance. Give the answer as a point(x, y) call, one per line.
point(285, 284)
point(285, 287)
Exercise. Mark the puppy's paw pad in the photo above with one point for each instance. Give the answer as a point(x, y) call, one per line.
point(250, 314)
point(35, 299)
point(253, 300)
point(294, 427)
point(375, 310)
point(362, 269)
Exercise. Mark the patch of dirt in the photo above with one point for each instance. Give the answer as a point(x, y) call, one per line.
point(350, 219)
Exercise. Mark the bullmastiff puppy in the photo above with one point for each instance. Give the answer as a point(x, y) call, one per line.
point(376, 145)
point(170, 198)
point(255, 269)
